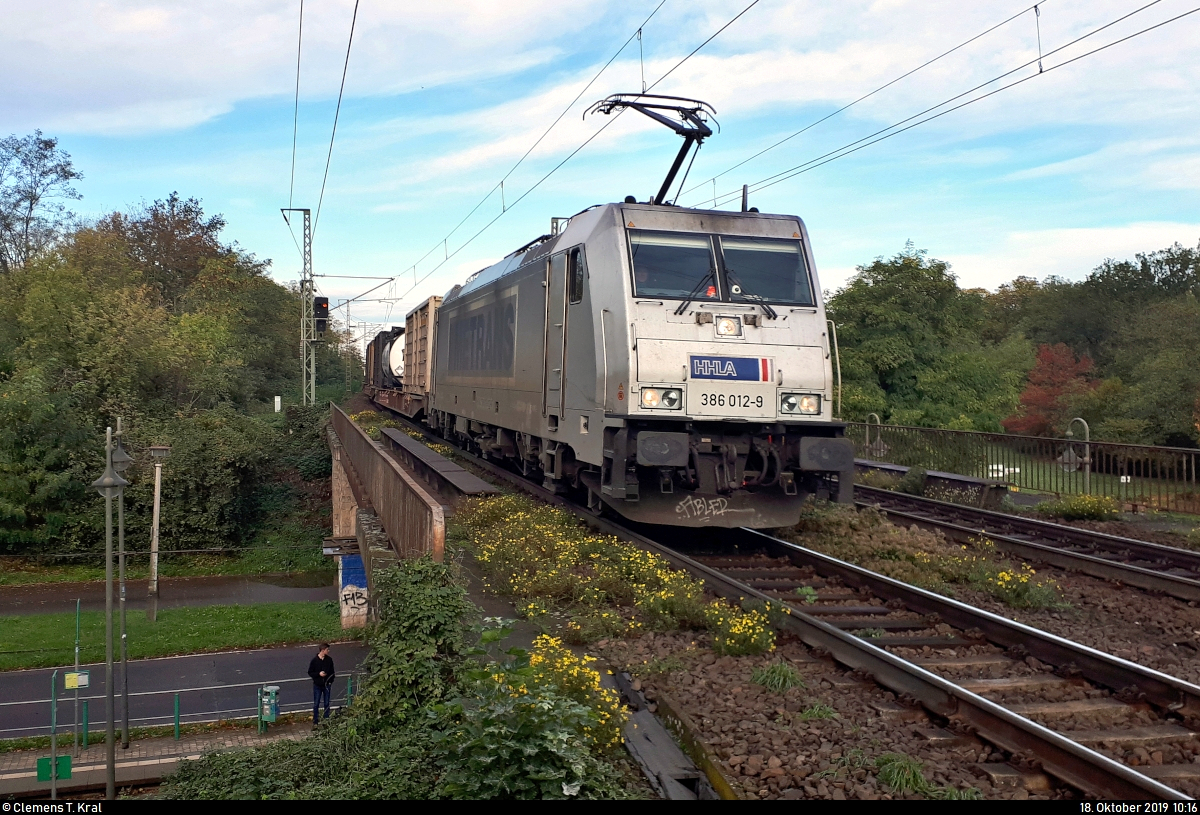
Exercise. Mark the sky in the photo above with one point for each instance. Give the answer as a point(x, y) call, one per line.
point(1092, 157)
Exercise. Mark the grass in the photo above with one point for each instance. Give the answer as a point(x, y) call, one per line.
point(661, 666)
point(45, 640)
point(777, 677)
point(816, 711)
point(904, 774)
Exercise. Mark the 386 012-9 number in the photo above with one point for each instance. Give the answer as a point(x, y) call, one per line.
point(733, 400)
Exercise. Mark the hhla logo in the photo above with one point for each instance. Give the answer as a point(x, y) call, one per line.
point(713, 367)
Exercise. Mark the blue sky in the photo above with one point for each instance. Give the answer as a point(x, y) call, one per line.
point(1100, 158)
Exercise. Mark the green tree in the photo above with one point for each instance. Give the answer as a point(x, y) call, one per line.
point(911, 348)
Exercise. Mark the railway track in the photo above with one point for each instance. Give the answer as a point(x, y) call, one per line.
point(1151, 566)
point(1084, 716)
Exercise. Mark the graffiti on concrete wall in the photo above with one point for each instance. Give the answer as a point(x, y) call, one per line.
point(352, 591)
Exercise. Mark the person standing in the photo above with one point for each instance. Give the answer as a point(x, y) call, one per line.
point(321, 671)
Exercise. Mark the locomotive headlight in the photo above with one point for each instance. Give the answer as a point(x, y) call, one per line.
point(664, 398)
point(729, 327)
point(808, 404)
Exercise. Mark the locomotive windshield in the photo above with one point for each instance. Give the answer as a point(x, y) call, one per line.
point(672, 265)
point(760, 269)
point(752, 270)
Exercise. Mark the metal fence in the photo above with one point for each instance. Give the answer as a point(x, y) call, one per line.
point(413, 520)
point(210, 703)
point(1137, 476)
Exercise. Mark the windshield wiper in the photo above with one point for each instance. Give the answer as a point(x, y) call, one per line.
point(695, 290)
point(735, 283)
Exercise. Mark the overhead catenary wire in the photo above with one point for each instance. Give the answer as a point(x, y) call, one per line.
point(569, 156)
point(500, 184)
point(336, 113)
point(865, 96)
point(296, 108)
point(883, 133)
point(295, 132)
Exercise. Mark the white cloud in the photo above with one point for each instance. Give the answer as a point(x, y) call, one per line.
point(70, 64)
point(1067, 253)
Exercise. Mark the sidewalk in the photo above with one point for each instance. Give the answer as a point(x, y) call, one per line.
point(146, 760)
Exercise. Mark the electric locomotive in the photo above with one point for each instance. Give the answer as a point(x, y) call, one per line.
point(674, 365)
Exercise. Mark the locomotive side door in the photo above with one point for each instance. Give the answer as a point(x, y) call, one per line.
point(556, 337)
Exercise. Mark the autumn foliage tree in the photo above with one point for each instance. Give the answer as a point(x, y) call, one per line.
point(1057, 383)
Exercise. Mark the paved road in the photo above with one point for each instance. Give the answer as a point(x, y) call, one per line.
point(52, 598)
point(211, 686)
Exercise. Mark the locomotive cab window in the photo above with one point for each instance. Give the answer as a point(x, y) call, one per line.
point(762, 269)
point(672, 265)
point(575, 273)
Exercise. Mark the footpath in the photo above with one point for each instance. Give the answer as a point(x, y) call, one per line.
point(146, 760)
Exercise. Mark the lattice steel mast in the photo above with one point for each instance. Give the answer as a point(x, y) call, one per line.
point(308, 322)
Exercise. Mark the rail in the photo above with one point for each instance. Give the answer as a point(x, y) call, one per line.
point(1151, 566)
point(412, 519)
point(1070, 761)
point(1163, 478)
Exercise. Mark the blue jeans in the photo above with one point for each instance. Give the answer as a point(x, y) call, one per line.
point(319, 692)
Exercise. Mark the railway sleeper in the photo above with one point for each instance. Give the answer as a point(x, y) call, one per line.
point(961, 709)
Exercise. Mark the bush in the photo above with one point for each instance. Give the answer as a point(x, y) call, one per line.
point(912, 482)
point(1081, 508)
point(510, 744)
point(382, 747)
point(315, 465)
point(555, 666)
point(550, 561)
point(737, 632)
point(1016, 586)
point(879, 479)
point(335, 763)
point(420, 642)
point(373, 422)
point(532, 727)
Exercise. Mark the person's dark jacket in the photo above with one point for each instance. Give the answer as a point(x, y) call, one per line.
point(316, 666)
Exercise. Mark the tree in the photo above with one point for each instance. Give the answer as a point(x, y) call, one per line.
point(911, 348)
point(169, 242)
point(1057, 384)
point(35, 177)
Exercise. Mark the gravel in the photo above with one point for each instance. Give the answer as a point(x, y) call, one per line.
point(770, 750)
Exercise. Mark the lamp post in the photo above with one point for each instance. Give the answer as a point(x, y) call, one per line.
point(1087, 452)
point(109, 485)
point(158, 453)
point(120, 462)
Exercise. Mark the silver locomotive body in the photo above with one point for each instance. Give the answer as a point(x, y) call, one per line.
point(673, 363)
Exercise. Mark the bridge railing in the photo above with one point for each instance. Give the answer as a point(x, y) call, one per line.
point(1164, 478)
point(412, 518)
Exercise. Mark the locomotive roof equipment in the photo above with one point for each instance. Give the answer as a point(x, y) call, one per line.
point(692, 125)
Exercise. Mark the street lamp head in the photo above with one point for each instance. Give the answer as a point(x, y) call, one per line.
point(120, 459)
point(108, 484)
point(158, 451)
